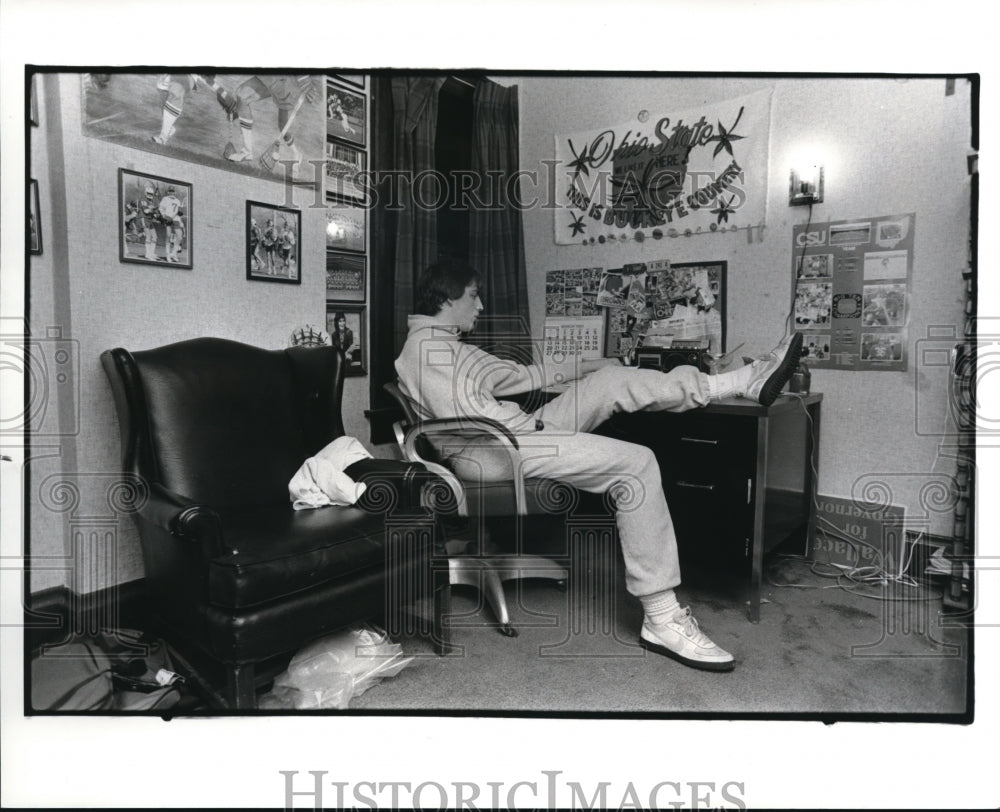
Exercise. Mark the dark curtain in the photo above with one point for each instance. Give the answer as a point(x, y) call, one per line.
point(404, 235)
point(414, 125)
point(496, 239)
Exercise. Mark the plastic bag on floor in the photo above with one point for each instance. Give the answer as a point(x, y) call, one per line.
point(331, 671)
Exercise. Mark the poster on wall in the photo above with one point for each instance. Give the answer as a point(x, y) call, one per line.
point(694, 171)
point(851, 289)
point(263, 125)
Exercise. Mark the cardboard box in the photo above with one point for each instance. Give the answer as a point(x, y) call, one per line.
point(853, 534)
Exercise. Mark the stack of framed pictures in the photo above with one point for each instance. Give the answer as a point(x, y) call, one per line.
point(347, 218)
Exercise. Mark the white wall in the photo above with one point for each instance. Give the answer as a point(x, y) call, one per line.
point(79, 286)
point(889, 146)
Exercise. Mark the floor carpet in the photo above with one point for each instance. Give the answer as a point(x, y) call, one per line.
point(820, 651)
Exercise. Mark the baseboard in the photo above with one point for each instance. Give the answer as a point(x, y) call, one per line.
point(57, 613)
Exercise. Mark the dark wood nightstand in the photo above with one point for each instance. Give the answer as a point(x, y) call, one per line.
point(739, 479)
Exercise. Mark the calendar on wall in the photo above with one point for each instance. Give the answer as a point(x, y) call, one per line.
point(574, 322)
point(851, 291)
point(569, 336)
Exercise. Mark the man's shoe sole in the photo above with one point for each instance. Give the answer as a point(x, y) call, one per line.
point(704, 665)
point(772, 386)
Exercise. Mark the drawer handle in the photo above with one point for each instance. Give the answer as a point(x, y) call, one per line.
point(681, 483)
point(698, 440)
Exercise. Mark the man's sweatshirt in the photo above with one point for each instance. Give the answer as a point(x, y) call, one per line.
point(446, 377)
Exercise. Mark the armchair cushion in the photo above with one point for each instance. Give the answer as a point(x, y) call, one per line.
point(271, 554)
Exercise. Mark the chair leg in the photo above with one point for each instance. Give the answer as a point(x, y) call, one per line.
point(481, 574)
point(240, 694)
point(440, 633)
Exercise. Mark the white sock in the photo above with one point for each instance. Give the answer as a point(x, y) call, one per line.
point(729, 384)
point(660, 607)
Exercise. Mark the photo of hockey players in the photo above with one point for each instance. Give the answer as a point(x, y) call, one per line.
point(813, 302)
point(345, 114)
point(881, 347)
point(883, 305)
point(814, 266)
point(815, 347)
point(155, 220)
point(273, 235)
point(268, 126)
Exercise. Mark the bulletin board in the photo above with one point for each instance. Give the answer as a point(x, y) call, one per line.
point(851, 291)
point(656, 303)
point(592, 312)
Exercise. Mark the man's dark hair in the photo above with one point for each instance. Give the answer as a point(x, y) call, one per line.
point(442, 281)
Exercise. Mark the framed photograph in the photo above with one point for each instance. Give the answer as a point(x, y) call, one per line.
point(155, 220)
point(347, 328)
point(34, 219)
point(356, 79)
point(344, 166)
point(346, 114)
point(346, 225)
point(345, 277)
point(273, 236)
point(188, 116)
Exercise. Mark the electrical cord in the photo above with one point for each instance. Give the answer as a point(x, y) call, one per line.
point(873, 574)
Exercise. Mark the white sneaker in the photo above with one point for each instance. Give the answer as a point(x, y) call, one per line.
point(682, 640)
point(242, 154)
point(767, 376)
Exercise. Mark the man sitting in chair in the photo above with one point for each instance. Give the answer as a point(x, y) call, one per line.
point(446, 377)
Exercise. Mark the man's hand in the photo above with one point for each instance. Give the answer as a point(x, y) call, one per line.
point(586, 367)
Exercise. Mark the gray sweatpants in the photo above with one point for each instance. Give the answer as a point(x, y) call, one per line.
point(566, 451)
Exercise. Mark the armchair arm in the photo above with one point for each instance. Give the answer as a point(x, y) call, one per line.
point(182, 518)
point(494, 436)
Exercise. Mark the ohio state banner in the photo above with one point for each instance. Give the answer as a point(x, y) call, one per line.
point(671, 172)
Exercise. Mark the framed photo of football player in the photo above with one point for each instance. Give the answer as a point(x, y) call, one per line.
point(346, 115)
point(154, 220)
point(347, 327)
point(273, 237)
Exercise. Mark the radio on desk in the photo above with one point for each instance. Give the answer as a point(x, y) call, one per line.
point(694, 353)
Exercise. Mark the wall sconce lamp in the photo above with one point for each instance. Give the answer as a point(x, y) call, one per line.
point(806, 185)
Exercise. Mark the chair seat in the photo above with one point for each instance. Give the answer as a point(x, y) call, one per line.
point(277, 552)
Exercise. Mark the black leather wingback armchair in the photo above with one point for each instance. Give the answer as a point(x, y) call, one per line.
point(214, 430)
